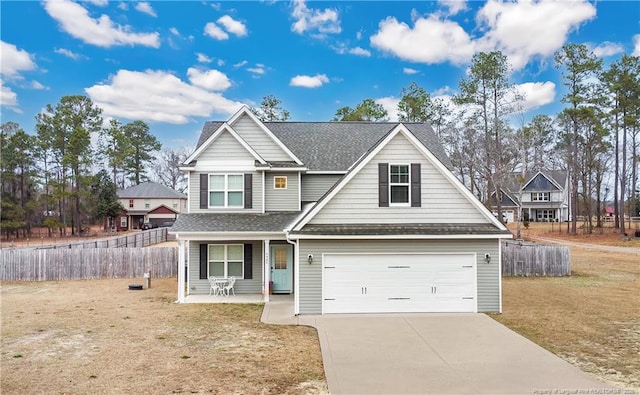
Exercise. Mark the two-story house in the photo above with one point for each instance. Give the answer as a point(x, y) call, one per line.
point(149, 202)
point(544, 196)
point(347, 216)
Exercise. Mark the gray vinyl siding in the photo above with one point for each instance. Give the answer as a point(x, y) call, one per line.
point(225, 147)
point(310, 275)
point(264, 145)
point(316, 185)
point(194, 195)
point(441, 201)
point(282, 199)
point(242, 286)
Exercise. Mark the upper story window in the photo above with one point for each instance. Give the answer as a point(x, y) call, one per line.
point(175, 203)
point(280, 182)
point(147, 204)
point(226, 190)
point(130, 203)
point(399, 184)
point(541, 196)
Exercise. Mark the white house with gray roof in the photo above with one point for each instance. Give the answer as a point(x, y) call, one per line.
point(349, 217)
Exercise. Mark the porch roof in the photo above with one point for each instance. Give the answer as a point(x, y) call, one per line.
point(236, 222)
point(402, 229)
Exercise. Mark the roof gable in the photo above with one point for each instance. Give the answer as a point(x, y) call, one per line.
point(402, 132)
point(223, 130)
point(540, 182)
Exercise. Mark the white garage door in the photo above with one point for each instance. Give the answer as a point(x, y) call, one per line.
point(389, 283)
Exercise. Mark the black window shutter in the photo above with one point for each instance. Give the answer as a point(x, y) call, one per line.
point(416, 197)
point(248, 194)
point(203, 261)
point(383, 184)
point(204, 191)
point(248, 261)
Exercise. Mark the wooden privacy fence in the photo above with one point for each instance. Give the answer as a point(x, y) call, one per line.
point(139, 239)
point(531, 259)
point(87, 263)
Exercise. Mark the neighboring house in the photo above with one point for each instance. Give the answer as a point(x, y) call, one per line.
point(545, 197)
point(349, 217)
point(149, 202)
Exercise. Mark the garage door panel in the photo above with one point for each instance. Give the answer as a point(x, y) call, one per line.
point(399, 283)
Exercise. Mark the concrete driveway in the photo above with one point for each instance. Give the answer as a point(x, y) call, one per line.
point(438, 354)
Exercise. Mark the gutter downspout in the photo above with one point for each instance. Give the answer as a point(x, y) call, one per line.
point(296, 270)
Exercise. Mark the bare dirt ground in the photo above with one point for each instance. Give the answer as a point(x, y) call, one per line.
point(40, 236)
point(592, 318)
point(82, 337)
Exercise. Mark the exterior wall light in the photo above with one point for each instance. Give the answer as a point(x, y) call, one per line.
point(310, 258)
point(487, 257)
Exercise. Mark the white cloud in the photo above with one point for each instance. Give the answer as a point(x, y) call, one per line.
point(145, 8)
point(454, 6)
point(431, 40)
point(123, 6)
point(68, 53)
point(606, 48)
point(212, 30)
point(240, 64)
point(14, 60)
point(527, 29)
point(38, 86)
point(213, 80)
point(306, 81)
point(309, 19)
point(409, 70)
point(8, 97)
point(636, 43)
point(390, 104)
point(202, 58)
point(155, 95)
point(174, 31)
point(102, 32)
point(360, 51)
point(233, 26)
point(536, 94)
point(99, 3)
point(256, 70)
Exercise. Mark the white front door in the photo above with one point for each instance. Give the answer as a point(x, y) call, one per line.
point(389, 283)
point(281, 257)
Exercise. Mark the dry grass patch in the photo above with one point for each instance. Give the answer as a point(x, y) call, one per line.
point(98, 337)
point(591, 319)
point(606, 235)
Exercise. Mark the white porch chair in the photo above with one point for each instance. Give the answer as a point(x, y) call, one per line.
point(215, 287)
point(229, 286)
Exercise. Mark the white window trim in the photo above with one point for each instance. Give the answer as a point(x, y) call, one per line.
point(407, 184)
point(286, 182)
point(225, 191)
point(541, 196)
point(225, 259)
point(123, 222)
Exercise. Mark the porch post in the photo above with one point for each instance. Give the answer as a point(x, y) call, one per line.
point(267, 270)
point(181, 266)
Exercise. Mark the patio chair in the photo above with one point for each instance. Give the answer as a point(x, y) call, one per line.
point(229, 286)
point(215, 287)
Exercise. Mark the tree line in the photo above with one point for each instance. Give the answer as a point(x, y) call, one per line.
point(59, 179)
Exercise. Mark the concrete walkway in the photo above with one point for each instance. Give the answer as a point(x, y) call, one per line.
point(432, 354)
point(599, 247)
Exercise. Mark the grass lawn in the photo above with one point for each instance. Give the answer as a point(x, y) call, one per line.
point(591, 319)
point(98, 337)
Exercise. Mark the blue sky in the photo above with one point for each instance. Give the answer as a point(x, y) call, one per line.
point(176, 65)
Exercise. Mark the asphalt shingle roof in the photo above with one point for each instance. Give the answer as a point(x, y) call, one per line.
point(335, 146)
point(402, 229)
point(237, 222)
point(150, 190)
